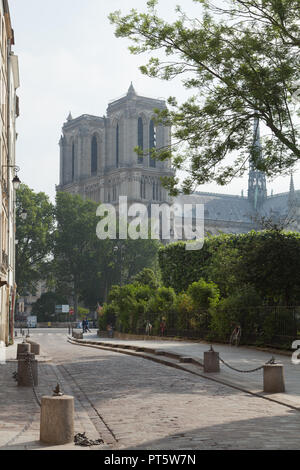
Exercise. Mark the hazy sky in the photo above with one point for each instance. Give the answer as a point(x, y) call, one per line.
point(70, 60)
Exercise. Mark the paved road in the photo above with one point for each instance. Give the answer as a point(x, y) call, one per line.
point(133, 403)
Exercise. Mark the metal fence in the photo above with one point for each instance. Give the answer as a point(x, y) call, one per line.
point(276, 326)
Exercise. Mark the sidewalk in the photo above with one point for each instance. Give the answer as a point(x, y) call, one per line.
point(20, 412)
point(241, 358)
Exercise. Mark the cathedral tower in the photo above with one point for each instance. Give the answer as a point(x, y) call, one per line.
point(98, 160)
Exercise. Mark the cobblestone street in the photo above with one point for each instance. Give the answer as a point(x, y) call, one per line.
point(132, 403)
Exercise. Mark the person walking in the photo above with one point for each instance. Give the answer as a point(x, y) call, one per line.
point(163, 327)
point(87, 326)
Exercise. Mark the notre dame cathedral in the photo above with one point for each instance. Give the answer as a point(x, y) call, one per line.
point(98, 161)
point(97, 156)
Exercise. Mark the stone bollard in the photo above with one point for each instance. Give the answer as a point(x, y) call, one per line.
point(273, 378)
point(211, 361)
point(57, 419)
point(34, 348)
point(77, 334)
point(23, 348)
point(27, 371)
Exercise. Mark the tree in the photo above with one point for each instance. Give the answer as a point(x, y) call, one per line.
point(147, 278)
point(269, 261)
point(75, 247)
point(242, 63)
point(85, 267)
point(35, 238)
point(44, 307)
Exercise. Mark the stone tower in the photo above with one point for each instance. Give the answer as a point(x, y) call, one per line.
point(97, 156)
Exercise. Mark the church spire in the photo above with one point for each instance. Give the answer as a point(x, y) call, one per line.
point(292, 187)
point(70, 117)
point(131, 90)
point(257, 188)
point(292, 195)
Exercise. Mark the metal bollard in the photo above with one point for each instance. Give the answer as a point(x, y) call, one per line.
point(211, 361)
point(273, 378)
point(57, 419)
point(27, 370)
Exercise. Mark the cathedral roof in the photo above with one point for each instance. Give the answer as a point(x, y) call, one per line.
point(221, 206)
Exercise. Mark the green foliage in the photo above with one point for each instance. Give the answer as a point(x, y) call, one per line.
point(180, 267)
point(236, 70)
point(162, 302)
point(44, 307)
point(269, 261)
point(130, 301)
point(204, 295)
point(184, 309)
point(82, 312)
point(237, 309)
point(35, 238)
point(108, 315)
point(75, 246)
point(146, 277)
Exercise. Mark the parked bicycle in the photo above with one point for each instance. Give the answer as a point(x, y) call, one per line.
point(235, 337)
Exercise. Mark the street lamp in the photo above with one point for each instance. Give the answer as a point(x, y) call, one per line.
point(16, 181)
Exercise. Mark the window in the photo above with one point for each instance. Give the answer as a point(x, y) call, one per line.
point(117, 146)
point(143, 188)
point(152, 143)
point(94, 159)
point(140, 138)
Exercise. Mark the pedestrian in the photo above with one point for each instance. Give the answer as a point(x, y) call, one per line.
point(148, 328)
point(87, 326)
point(163, 327)
point(83, 326)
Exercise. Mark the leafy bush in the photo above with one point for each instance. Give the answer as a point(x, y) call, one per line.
point(239, 308)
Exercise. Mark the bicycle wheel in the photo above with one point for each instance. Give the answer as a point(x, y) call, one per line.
point(238, 338)
point(232, 339)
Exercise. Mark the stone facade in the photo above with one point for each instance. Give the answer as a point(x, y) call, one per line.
point(98, 158)
point(9, 110)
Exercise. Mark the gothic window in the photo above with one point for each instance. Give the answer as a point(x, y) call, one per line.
point(152, 143)
point(73, 161)
point(94, 159)
point(143, 189)
point(140, 138)
point(117, 145)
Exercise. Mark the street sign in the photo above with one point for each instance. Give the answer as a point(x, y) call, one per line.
point(62, 308)
point(31, 322)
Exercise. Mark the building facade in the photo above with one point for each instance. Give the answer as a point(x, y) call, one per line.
point(9, 111)
point(98, 158)
point(98, 161)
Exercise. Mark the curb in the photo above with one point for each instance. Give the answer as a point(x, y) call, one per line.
point(129, 351)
